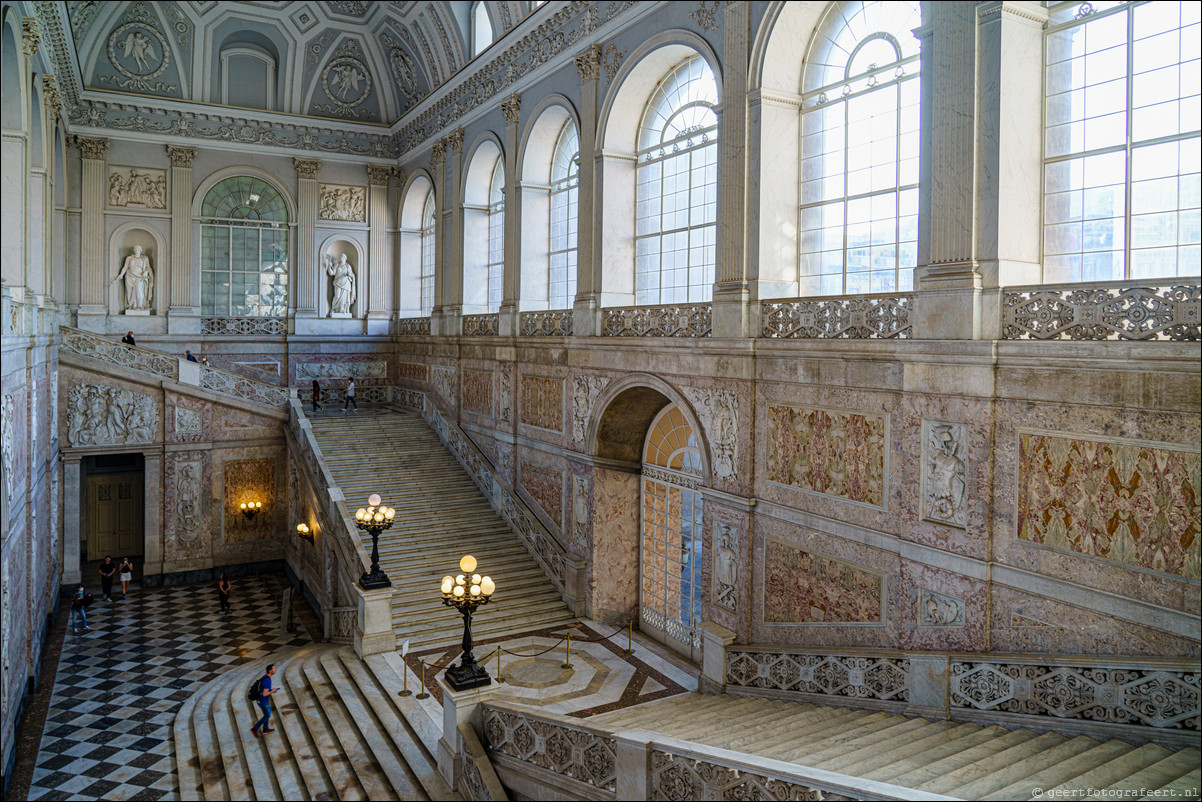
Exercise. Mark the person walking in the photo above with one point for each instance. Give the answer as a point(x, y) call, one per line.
point(264, 702)
point(317, 396)
point(350, 395)
point(191, 358)
point(128, 339)
point(108, 569)
point(126, 576)
point(79, 619)
point(223, 594)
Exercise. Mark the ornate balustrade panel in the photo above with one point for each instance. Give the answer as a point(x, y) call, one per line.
point(675, 776)
point(1147, 696)
point(552, 323)
point(854, 317)
point(411, 326)
point(104, 349)
point(340, 624)
point(880, 678)
point(672, 320)
point(275, 326)
point(581, 753)
point(481, 325)
point(232, 384)
point(1158, 310)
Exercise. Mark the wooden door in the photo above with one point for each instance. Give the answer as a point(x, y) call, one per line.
point(114, 515)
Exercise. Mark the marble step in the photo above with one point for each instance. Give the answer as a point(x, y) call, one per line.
point(1161, 774)
point(885, 766)
point(1048, 771)
point(960, 774)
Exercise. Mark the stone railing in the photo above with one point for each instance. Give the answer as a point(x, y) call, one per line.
point(1168, 309)
point(855, 317)
point(876, 678)
point(536, 752)
point(551, 323)
point(222, 381)
point(413, 326)
point(481, 325)
point(671, 320)
point(340, 624)
point(104, 349)
point(275, 326)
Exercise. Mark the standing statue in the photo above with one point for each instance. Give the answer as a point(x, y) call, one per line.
point(344, 285)
point(139, 280)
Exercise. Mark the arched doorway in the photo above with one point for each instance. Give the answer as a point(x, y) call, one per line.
point(670, 549)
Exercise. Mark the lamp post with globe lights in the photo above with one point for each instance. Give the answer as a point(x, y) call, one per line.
point(465, 593)
point(374, 519)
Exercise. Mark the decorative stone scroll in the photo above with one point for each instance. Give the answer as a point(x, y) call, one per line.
point(939, 610)
point(96, 347)
point(944, 473)
point(137, 187)
point(1125, 311)
point(659, 321)
point(274, 326)
point(585, 390)
point(679, 777)
point(575, 752)
point(857, 317)
point(99, 415)
point(413, 326)
point(1143, 696)
point(481, 325)
point(719, 414)
point(443, 380)
point(885, 679)
point(342, 203)
point(556, 323)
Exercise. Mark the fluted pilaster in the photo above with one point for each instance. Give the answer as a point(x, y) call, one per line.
point(511, 283)
point(306, 234)
point(92, 282)
point(182, 301)
point(379, 293)
point(586, 318)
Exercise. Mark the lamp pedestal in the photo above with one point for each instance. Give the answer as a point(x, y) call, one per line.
point(375, 578)
point(468, 674)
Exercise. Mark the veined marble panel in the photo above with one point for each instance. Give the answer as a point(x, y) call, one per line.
point(803, 587)
point(542, 402)
point(249, 480)
point(835, 453)
point(187, 520)
point(414, 371)
point(545, 485)
point(443, 379)
point(477, 391)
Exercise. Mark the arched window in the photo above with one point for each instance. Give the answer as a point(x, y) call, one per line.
point(496, 236)
point(565, 205)
point(244, 249)
point(1121, 147)
point(482, 35)
point(859, 151)
point(427, 269)
point(676, 188)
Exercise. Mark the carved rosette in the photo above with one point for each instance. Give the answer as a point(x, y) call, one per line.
point(180, 156)
point(92, 147)
point(306, 168)
point(588, 63)
point(511, 107)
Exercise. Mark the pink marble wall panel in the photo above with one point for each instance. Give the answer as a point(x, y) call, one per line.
point(249, 480)
point(234, 424)
point(541, 401)
point(613, 584)
point(477, 392)
point(942, 610)
point(544, 484)
point(829, 452)
point(412, 371)
point(188, 420)
point(739, 523)
point(805, 587)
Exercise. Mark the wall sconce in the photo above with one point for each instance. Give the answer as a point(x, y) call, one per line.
point(251, 508)
point(304, 533)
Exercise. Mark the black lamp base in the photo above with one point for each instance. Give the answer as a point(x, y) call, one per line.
point(462, 678)
point(374, 580)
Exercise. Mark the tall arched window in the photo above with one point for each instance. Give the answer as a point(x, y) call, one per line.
point(496, 236)
point(859, 151)
point(1121, 149)
point(565, 206)
point(482, 34)
point(427, 270)
point(244, 249)
point(676, 188)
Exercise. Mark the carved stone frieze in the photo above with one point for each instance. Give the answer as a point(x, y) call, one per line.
point(372, 369)
point(726, 566)
point(133, 187)
point(944, 473)
point(343, 203)
point(939, 610)
point(585, 390)
point(442, 378)
point(100, 415)
point(181, 156)
point(719, 414)
point(306, 168)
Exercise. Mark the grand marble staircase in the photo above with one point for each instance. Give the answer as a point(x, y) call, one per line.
point(338, 735)
point(960, 760)
point(440, 516)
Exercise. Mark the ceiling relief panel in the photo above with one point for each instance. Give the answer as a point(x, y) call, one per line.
point(345, 88)
point(408, 82)
point(140, 53)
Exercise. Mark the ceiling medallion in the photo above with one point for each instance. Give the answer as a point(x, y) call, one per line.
point(138, 51)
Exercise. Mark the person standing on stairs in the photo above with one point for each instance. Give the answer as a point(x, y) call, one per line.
point(317, 396)
point(128, 339)
point(350, 395)
point(223, 594)
point(107, 569)
point(265, 692)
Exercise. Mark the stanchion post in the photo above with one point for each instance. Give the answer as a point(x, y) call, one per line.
point(567, 653)
point(405, 673)
point(423, 694)
point(630, 636)
point(499, 665)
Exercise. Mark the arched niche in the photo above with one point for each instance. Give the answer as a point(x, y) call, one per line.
point(329, 255)
point(121, 245)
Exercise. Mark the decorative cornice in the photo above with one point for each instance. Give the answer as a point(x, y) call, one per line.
point(1026, 11)
point(378, 176)
point(181, 156)
point(511, 107)
point(588, 63)
point(455, 141)
point(51, 95)
point(92, 148)
point(31, 36)
point(438, 153)
point(306, 168)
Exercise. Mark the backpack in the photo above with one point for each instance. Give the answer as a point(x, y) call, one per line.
point(256, 691)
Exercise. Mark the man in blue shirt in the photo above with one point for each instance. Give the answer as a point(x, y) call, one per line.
point(265, 692)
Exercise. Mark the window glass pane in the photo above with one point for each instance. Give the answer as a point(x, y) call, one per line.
point(244, 249)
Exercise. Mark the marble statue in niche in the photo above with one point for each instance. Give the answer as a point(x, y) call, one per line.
point(945, 481)
point(108, 416)
point(343, 274)
point(139, 282)
point(726, 566)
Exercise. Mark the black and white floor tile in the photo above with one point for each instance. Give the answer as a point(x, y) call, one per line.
point(108, 730)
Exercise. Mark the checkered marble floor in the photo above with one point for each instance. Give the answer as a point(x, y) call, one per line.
point(118, 687)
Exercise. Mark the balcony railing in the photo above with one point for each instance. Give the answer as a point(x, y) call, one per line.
point(549, 323)
point(1166, 309)
point(669, 320)
point(854, 317)
point(413, 326)
point(275, 326)
point(481, 325)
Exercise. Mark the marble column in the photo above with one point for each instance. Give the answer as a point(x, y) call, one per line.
point(72, 518)
point(379, 289)
point(586, 314)
point(947, 303)
point(511, 283)
point(92, 283)
point(306, 236)
point(438, 166)
point(452, 298)
point(183, 302)
point(732, 307)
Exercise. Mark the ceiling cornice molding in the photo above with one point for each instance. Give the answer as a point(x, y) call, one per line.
point(57, 40)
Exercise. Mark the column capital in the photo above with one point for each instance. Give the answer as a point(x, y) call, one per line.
point(455, 141)
point(31, 36)
point(510, 108)
point(92, 147)
point(54, 98)
point(306, 168)
point(181, 156)
point(438, 153)
point(378, 176)
point(588, 63)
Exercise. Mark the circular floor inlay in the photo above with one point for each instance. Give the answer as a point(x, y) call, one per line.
point(538, 672)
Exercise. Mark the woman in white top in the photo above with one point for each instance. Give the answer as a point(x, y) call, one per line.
point(126, 575)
